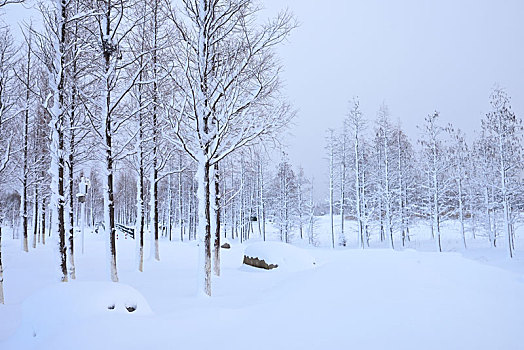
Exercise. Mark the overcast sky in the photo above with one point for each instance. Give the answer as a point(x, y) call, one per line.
point(416, 55)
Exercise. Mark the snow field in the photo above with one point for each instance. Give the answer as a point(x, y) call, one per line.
point(351, 298)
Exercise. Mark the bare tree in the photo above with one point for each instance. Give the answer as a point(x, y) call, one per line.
point(505, 129)
point(114, 27)
point(226, 77)
point(6, 103)
point(384, 139)
point(7, 56)
point(7, 98)
point(343, 178)
point(435, 167)
point(485, 167)
point(55, 46)
point(405, 180)
point(26, 80)
point(331, 155)
point(356, 124)
point(459, 154)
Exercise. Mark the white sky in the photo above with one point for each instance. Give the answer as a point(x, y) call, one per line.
point(416, 55)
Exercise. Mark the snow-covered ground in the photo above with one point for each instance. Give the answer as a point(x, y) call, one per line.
point(411, 298)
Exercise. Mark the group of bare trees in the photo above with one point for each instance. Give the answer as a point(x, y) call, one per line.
point(165, 110)
point(387, 184)
point(146, 97)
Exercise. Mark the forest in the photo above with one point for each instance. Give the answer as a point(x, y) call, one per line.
point(162, 123)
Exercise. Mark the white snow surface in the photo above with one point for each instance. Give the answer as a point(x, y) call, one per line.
point(65, 305)
point(351, 298)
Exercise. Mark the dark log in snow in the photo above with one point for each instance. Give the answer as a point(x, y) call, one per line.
point(255, 262)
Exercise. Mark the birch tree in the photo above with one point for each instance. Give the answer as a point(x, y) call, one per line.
point(55, 47)
point(26, 79)
point(384, 139)
point(7, 98)
point(228, 91)
point(343, 178)
point(158, 42)
point(459, 154)
point(505, 129)
point(77, 69)
point(356, 124)
point(114, 27)
point(331, 155)
point(302, 182)
point(7, 56)
point(61, 48)
point(405, 175)
point(485, 168)
point(435, 168)
point(140, 38)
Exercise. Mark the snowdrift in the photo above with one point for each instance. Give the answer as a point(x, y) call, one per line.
point(62, 305)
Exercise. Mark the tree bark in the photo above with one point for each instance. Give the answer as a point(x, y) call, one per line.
point(204, 213)
point(72, 271)
point(43, 228)
point(109, 204)
point(216, 266)
point(25, 178)
point(154, 192)
point(35, 218)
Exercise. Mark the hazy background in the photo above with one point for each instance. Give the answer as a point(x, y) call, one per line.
point(417, 56)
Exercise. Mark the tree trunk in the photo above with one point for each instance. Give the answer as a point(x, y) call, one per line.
point(461, 212)
point(1, 268)
point(502, 172)
point(400, 187)
point(262, 216)
point(169, 208)
point(436, 209)
point(204, 226)
point(43, 228)
point(59, 147)
point(180, 192)
point(387, 191)
point(35, 218)
point(217, 222)
point(109, 201)
point(488, 216)
point(358, 200)
point(154, 211)
point(140, 221)
point(109, 204)
point(72, 271)
point(25, 178)
point(331, 185)
point(61, 210)
point(154, 181)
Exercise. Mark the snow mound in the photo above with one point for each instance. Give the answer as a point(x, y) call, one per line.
point(286, 256)
point(61, 304)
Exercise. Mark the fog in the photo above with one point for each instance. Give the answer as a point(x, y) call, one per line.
point(416, 56)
